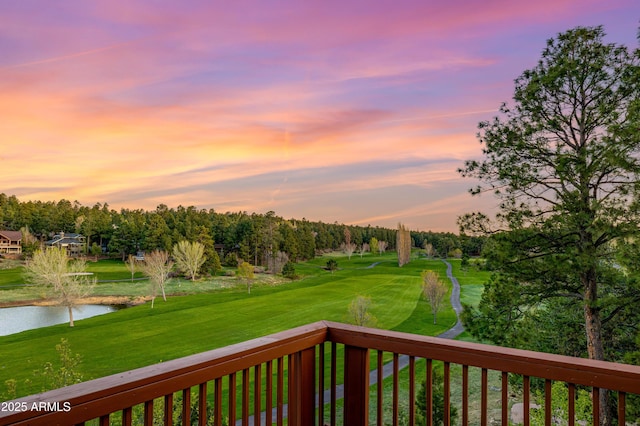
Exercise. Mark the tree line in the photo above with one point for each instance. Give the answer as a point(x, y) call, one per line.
point(256, 238)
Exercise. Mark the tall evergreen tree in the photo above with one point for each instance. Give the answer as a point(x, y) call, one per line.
point(212, 260)
point(565, 163)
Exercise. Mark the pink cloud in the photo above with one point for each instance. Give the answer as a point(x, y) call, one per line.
point(181, 103)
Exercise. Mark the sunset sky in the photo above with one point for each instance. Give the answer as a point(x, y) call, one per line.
point(358, 112)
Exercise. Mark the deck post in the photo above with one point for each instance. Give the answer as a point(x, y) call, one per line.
point(302, 388)
point(356, 386)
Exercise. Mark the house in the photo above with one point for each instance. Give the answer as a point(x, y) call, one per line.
point(11, 242)
point(219, 248)
point(74, 243)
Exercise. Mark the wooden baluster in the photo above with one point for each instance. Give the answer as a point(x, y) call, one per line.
point(380, 388)
point(292, 407)
point(321, 384)
point(186, 406)
point(572, 405)
point(526, 390)
point(168, 409)
point(268, 399)
point(127, 416)
point(412, 391)
point(217, 404)
point(280, 392)
point(621, 408)
point(483, 398)
point(596, 405)
point(429, 392)
point(395, 390)
point(257, 394)
point(447, 394)
point(148, 413)
point(505, 398)
point(334, 355)
point(232, 398)
point(245, 397)
point(202, 404)
point(465, 394)
point(547, 402)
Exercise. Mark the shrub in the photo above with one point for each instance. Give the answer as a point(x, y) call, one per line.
point(231, 260)
point(289, 270)
point(332, 265)
point(437, 401)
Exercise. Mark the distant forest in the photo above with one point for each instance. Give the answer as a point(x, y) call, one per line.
point(252, 237)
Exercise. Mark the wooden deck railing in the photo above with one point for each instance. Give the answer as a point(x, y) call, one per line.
point(283, 379)
point(10, 247)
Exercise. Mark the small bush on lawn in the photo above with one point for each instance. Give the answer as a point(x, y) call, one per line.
point(289, 270)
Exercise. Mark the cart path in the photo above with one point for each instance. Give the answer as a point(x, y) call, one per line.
point(457, 329)
point(403, 360)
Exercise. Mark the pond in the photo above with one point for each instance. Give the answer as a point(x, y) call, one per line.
point(21, 318)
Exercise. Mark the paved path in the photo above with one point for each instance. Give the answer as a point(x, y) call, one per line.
point(457, 329)
point(403, 360)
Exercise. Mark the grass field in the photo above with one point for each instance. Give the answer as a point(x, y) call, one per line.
point(224, 314)
point(115, 280)
point(469, 276)
point(207, 314)
point(10, 273)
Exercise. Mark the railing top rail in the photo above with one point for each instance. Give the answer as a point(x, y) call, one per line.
point(601, 374)
point(142, 384)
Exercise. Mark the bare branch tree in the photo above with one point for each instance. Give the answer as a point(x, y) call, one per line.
point(67, 280)
point(434, 291)
point(359, 312)
point(280, 259)
point(349, 248)
point(364, 248)
point(189, 257)
point(132, 265)
point(428, 249)
point(157, 266)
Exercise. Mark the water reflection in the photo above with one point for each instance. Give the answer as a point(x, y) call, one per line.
point(21, 318)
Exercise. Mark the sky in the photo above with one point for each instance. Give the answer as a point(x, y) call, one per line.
point(357, 112)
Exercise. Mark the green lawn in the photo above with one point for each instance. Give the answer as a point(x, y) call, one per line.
point(10, 273)
point(219, 312)
point(105, 270)
point(220, 316)
point(114, 279)
point(472, 275)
